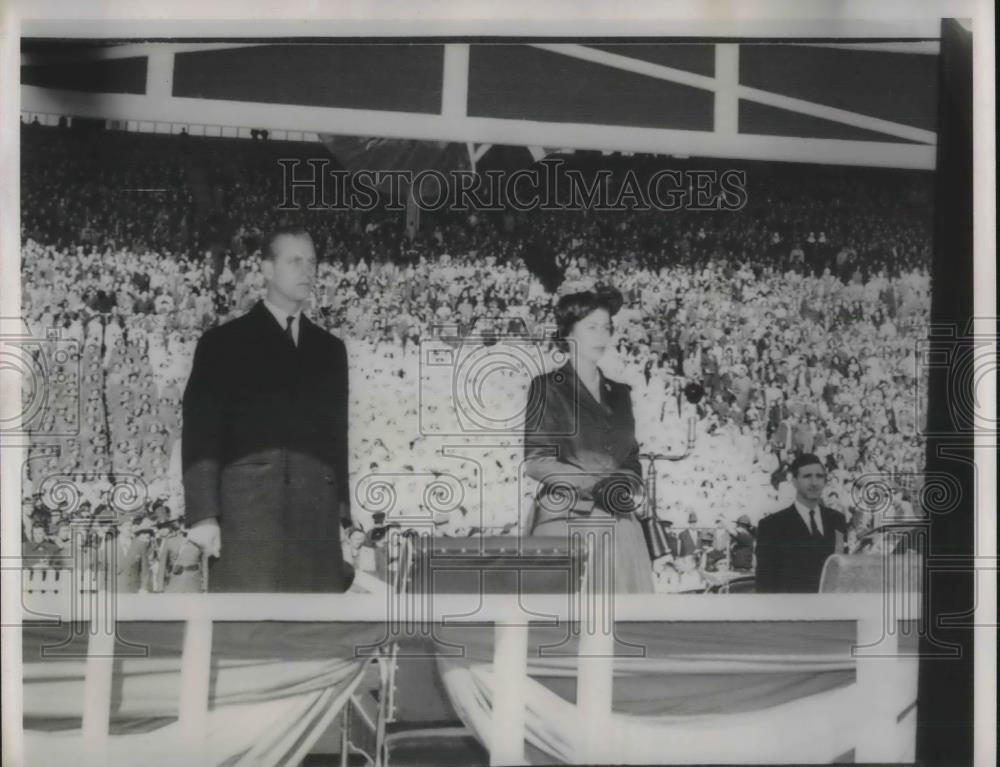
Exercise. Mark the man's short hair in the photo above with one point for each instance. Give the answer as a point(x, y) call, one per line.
point(806, 459)
point(267, 251)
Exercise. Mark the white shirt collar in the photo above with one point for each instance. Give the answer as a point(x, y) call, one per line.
point(804, 510)
point(282, 317)
point(280, 314)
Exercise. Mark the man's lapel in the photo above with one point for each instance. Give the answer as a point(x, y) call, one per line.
point(800, 524)
point(823, 519)
point(274, 332)
point(309, 332)
point(829, 522)
point(263, 317)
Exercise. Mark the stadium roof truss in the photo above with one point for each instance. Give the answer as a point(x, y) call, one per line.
point(844, 104)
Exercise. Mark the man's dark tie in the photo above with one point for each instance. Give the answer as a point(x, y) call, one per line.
point(812, 523)
point(288, 330)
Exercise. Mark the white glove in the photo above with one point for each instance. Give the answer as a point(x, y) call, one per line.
point(205, 534)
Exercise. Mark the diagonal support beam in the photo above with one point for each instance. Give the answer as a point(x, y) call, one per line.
point(715, 84)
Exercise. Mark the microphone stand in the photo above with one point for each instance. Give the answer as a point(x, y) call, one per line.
point(656, 537)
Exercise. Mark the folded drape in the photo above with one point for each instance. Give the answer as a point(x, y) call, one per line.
point(274, 690)
point(689, 693)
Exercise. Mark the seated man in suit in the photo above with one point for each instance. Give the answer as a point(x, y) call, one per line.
point(793, 544)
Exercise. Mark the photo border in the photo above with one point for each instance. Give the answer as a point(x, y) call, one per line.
point(517, 19)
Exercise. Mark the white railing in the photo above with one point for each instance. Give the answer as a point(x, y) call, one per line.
point(875, 673)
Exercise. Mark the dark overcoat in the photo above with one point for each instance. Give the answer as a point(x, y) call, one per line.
point(264, 449)
point(789, 558)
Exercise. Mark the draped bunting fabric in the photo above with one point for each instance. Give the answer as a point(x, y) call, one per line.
point(275, 688)
point(678, 686)
point(815, 729)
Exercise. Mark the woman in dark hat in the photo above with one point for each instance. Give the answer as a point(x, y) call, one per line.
point(580, 442)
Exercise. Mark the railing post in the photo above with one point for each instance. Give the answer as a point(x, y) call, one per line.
point(196, 669)
point(595, 682)
point(878, 664)
point(97, 692)
point(510, 677)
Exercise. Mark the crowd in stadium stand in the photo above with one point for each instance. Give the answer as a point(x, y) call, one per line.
point(799, 315)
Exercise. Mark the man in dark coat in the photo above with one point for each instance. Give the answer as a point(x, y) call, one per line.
point(794, 543)
point(264, 444)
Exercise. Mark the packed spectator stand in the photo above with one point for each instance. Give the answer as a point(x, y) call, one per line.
point(800, 315)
